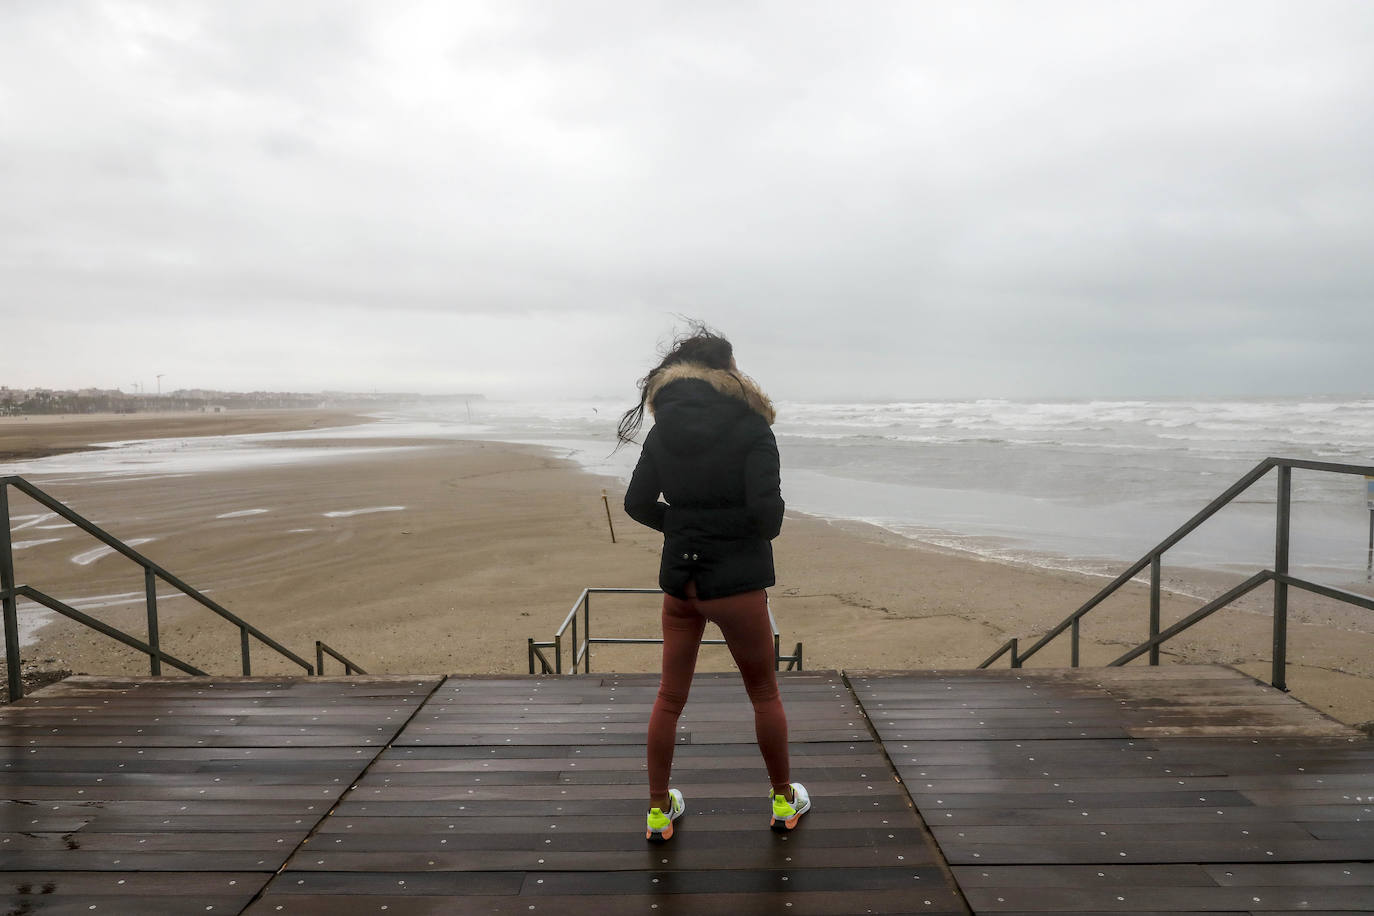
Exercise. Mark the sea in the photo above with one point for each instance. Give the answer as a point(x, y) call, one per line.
point(1087, 486)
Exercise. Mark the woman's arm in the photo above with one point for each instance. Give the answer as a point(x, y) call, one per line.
point(641, 497)
point(763, 486)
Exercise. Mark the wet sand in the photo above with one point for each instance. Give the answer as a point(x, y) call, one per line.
point(445, 557)
point(23, 438)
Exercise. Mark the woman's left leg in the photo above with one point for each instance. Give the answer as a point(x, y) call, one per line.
point(743, 621)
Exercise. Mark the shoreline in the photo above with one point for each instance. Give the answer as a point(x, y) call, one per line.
point(1187, 579)
point(446, 557)
point(26, 438)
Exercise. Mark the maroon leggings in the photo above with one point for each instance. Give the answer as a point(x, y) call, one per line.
point(743, 621)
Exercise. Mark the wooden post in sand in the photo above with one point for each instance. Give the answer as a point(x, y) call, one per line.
point(607, 503)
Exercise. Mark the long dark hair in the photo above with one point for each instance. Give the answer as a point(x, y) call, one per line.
point(699, 344)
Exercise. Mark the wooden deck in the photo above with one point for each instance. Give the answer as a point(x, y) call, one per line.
point(1131, 790)
point(1182, 790)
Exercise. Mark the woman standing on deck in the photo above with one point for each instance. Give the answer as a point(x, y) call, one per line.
point(712, 454)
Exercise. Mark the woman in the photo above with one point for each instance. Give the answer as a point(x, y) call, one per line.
point(712, 454)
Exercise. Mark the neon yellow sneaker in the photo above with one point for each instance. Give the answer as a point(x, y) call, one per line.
point(786, 814)
point(660, 825)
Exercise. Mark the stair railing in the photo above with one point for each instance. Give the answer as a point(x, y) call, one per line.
point(152, 574)
point(1279, 575)
point(321, 650)
point(580, 650)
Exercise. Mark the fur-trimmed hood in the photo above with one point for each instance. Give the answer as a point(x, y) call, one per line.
point(729, 383)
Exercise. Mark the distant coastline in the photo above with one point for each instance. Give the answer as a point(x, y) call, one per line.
point(28, 437)
point(62, 402)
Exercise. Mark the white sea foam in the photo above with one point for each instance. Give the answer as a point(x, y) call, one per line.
point(348, 513)
point(119, 599)
point(88, 557)
point(242, 513)
point(151, 459)
point(25, 545)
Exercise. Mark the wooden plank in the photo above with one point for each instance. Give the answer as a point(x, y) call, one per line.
point(932, 901)
point(1153, 815)
point(716, 793)
point(739, 881)
point(1106, 876)
point(1334, 874)
point(707, 832)
point(1159, 852)
point(1132, 834)
point(546, 825)
point(719, 859)
point(147, 841)
point(124, 860)
point(142, 884)
point(83, 904)
point(1164, 899)
point(351, 807)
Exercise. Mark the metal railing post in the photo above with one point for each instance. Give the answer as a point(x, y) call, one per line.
point(1285, 513)
point(11, 604)
point(530, 649)
point(1015, 658)
point(1073, 645)
point(587, 631)
point(154, 641)
point(321, 650)
point(1154, 607)
point(557, 653)
point(243, 648)
point(574, 644)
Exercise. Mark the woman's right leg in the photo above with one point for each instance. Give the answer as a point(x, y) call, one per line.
point(743, 621)
point(682, 629)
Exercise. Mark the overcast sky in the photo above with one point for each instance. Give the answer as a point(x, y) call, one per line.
point(907, 200)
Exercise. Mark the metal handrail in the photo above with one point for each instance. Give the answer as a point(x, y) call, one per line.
point(66, 610)
point(321, 650)
point(581, 650)
point(152, 572)
point(1153, 559)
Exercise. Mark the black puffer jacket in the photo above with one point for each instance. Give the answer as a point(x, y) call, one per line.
point(712, 455)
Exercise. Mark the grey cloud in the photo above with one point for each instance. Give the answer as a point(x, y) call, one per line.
point(961, 199)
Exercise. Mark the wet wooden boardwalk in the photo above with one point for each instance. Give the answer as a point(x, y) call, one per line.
point(1174, 790)
point(1131, 790)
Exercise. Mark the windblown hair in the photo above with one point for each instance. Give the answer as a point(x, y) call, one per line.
point(700, 345)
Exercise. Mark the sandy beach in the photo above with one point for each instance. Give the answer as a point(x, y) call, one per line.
point(440, 556)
